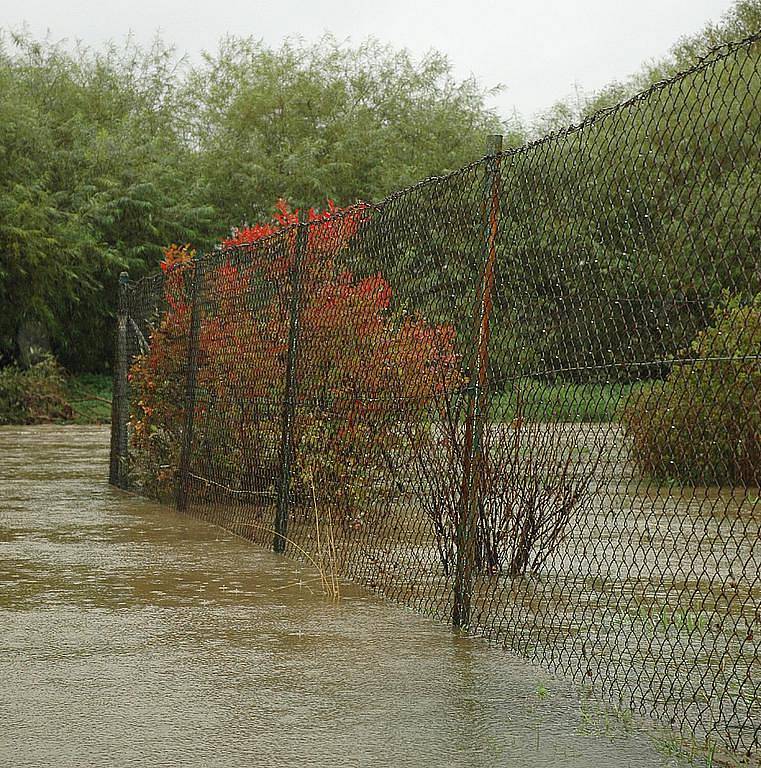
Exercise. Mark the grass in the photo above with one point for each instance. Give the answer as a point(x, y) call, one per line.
point(543, 401)
point(90, 397)
point(682, 621)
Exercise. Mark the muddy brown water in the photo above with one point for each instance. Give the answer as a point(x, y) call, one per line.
point(130, 635)
point(653, 595)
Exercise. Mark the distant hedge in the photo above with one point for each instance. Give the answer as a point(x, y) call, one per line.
point(702, 424)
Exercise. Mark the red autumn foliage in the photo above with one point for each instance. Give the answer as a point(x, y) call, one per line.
point(361, 371)
point(176, 255)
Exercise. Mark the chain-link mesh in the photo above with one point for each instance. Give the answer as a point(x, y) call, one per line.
point(525, 397)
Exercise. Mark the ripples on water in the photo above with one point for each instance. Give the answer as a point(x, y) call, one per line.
point(133, 636)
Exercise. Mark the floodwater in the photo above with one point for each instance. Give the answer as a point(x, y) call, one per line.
point(130, 635)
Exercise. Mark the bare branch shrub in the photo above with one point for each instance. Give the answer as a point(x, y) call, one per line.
point(531, 482)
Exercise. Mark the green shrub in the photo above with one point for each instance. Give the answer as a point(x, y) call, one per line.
point(33, 395)
point(702, 424)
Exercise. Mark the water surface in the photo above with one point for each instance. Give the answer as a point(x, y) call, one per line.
point(132, 636)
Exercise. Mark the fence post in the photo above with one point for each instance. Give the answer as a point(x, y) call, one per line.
point(289, 401)
point(467, 524)
point(117, 471)
point(194, 334)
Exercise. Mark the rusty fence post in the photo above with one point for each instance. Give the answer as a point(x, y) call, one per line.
point(477, 410)
point(287, 447)
point(117, 471)
point(194, 334)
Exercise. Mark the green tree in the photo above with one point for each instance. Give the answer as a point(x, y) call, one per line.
point(110, 155)
point(305, 122)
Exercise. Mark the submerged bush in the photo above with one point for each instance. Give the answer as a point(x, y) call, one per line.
point(702, 424)
point(532, 484)
point(33, 395)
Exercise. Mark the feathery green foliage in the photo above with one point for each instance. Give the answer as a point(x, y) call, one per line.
point(106, 157)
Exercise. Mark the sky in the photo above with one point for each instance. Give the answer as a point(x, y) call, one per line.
point(539, 50)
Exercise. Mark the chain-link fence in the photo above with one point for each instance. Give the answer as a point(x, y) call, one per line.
point(524, 398)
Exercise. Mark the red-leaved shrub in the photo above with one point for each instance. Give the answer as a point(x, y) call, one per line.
point(361, 371)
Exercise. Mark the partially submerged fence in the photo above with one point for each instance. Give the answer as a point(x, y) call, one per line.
point(524, 397)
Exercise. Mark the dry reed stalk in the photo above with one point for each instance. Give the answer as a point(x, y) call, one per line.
point(325, 585)
point(331, 587)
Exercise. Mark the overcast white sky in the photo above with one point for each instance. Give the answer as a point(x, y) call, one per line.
point(538, 49)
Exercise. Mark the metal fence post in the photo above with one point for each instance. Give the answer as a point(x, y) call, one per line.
point(194, 334)
point(117, 472)
point(467, 524)
point(287, 447)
